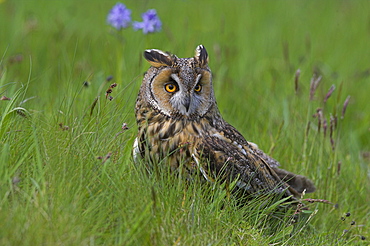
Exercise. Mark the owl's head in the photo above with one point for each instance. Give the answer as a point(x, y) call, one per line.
point(178, 87)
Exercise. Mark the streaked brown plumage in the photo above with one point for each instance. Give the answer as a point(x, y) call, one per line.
point(179, 122)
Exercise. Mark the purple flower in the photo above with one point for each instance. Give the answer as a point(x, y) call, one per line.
point(151, 22)
point(119, 16)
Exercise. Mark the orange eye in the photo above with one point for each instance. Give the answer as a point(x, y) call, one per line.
point(170, 88)
point(198, 88)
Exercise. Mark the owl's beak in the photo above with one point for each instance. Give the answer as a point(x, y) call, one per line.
point(186, 103)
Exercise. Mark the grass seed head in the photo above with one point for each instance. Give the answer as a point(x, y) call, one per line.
point(109, 78)
point(331, 90)
point(4, 98)
point(345, 104)
point(296, 80)
point(313, 86)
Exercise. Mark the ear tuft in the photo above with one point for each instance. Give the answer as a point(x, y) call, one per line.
point(201, 56)
point(158, 58)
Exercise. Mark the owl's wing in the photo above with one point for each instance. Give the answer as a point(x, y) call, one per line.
point(270, 161)
point(220, 158)
point(298, 182)
point(232, 133)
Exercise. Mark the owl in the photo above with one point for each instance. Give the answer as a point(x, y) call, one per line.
point(180, 127)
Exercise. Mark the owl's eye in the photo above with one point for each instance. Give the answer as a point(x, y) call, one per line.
point(170, 87)
point(198, 88)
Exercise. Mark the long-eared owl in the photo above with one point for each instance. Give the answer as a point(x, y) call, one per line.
point(179, 125)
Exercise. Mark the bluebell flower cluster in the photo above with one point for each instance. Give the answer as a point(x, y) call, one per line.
point(120, 17)
point(150, 23)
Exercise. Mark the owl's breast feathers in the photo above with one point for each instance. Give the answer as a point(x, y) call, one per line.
point(217, 150)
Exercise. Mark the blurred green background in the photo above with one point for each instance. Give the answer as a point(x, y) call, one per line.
point(54, 190)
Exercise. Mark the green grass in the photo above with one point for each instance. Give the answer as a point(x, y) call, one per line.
point(57, 186)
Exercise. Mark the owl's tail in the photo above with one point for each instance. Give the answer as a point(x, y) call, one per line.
point(297, 182)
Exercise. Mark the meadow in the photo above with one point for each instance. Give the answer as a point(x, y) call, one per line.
point(66, 172)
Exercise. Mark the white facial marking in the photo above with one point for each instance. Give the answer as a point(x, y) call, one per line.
point(197, 80)
point(179, 97)
point(176, 78)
